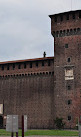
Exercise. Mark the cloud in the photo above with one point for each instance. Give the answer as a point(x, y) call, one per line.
point(25, 28)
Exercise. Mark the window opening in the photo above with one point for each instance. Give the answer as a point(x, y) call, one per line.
point(61, 18)
point(36, 64)
point(67, 17)
point(7, 67)
point(24, 65)
point(69, 87)
point(42, 63)
point(31, 65)
point(2, 67)
point(79, 14)
point(48, 62)
point(19, 66)
point(69, 118)
point(13, 66)
point(73, 16)
point(66, 45)
point(69, 60)
point(69, 102)
point(55, 19)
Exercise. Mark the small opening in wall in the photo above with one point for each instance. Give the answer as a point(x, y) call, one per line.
point(55, 19)
point(31, 65)
point(66, 45)
point(61, 18)
point(24, 65)
point(68, 59)
point(37, 64)
point(67, 17)
point(69, 87)
point(69, 102)
point(2, 67)
point(74, 16)
point(79, 14)
point(48, 62)
point(75, 30)
point(13, 66)
point(7, 67)
point(19, 66)
point(69, 118)
point(42, 63)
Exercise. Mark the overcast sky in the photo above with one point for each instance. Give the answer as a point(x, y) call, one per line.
point(25, 28)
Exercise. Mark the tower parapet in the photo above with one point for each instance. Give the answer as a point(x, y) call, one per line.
point(66, 24)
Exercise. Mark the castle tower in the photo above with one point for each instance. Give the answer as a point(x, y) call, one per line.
point(66, 30)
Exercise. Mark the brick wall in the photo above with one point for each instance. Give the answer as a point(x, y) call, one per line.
point(29, 91)
point(67, 42)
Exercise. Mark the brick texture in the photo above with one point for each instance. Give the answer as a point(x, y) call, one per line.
point(68, 33)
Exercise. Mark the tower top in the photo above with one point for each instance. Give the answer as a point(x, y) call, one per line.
point(67, 12)
point(66, 23)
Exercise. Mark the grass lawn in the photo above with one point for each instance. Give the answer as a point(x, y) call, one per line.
point(43, 132)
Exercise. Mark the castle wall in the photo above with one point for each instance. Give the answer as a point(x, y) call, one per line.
point(29, 93)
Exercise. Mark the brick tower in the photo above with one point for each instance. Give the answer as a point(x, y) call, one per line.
point(66, 30)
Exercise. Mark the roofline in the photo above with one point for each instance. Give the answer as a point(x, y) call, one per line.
point(26, 60)
point(72, 11)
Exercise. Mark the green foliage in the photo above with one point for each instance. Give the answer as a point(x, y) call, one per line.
point(59, 123)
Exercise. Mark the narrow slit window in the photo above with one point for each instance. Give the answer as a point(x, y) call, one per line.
point(31, 65)
point(61, 18)
point(24, 65)
point(42, 63)
point(79, 14)
point(67, 17)
point(73, 16)
point(68, 59)
point(36, 64)
point(69, 118)
point(66, 45)
point(7, 67)
point(48, 62)
point(13, 66)
point(69, 102)
point(19, 66)
point(55, 19)
point(69, 87)
point(2, 67)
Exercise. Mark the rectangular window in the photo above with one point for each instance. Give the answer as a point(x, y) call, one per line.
point(24, 65)
point(42, 63)
point(79, 14)
point(13, 66)
point(31, 65)
point(69, 87)
point(61, 18)
point(48, 62)
point(2, 67)
point(55, 19)
point(69, 118)
point(67, 17)
point(69, 102)
point(68, 59)
point(69, 74)
point(73, 16)
point(66, 45)
point(19, 66)
point(36, 64)
point(7, 67)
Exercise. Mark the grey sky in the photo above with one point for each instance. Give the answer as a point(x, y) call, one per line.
point(25, 28)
